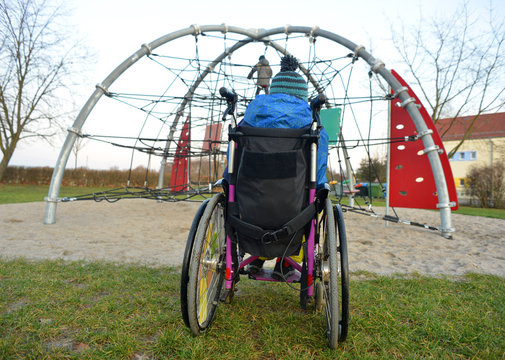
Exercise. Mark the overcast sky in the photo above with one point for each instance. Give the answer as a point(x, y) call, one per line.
point(114, 29)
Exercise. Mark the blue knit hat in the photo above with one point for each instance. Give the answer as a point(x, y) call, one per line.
point(287, 81)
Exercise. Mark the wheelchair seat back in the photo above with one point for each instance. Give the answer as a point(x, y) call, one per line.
point(271, 188)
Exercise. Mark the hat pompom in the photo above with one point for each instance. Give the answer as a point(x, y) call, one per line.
point(289, 63)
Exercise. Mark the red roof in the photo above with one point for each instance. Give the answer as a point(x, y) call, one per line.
point(486, 126)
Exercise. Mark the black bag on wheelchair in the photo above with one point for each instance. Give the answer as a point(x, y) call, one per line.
point(271, 211)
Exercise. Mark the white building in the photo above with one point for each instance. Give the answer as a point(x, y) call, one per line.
point(484, 145)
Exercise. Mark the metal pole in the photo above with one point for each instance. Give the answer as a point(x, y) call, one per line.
point(348, 169)
point(388, 160)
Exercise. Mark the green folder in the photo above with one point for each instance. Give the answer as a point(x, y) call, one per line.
point(330, 118)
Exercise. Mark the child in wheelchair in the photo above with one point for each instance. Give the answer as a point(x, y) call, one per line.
point(285, 107)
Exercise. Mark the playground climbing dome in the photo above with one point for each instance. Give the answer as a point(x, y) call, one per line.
point(160, 111)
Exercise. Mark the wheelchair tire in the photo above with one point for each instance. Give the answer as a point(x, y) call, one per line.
point(344, 274)
point(186, 261)
point(331, 291)
point(206, 268)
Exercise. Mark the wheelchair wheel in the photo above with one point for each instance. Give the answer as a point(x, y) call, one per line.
point(206, 268)
point(344, 273)
point(186, 261)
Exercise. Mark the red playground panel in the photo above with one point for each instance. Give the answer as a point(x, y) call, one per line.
point(411, 182)
point(179, 176)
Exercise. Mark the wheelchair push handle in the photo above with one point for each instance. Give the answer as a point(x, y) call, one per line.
point(315, 106)
point(229, 95)
point(317, 102)
point(231, 99)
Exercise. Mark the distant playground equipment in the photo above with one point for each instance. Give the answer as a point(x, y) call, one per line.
point(360, 189)
point(373, 190)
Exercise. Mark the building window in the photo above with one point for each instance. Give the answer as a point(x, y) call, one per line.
point(464, 156)
point(456, 156)
point(461, 182)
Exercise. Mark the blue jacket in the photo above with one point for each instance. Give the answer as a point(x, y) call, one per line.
point(286, 111)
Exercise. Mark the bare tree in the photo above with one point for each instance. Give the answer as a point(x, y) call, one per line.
point(37, 64)
point(457, 63)
point(79, 144)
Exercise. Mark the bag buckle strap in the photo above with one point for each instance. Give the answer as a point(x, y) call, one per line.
point(273, 236)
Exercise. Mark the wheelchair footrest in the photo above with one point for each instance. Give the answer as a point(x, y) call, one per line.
point(266, 275)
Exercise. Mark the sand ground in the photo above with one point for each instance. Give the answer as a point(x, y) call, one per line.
point(148, 232)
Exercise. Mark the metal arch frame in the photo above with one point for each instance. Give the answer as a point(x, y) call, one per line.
point(253, 35)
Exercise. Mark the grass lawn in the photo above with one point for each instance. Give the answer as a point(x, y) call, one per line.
point(56, 310)
point(463, 210)
point(475, 211)
point(10, 194)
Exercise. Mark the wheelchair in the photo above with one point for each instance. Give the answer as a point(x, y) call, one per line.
point(269, 208)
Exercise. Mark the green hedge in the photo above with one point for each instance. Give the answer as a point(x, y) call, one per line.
point(80, 177)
